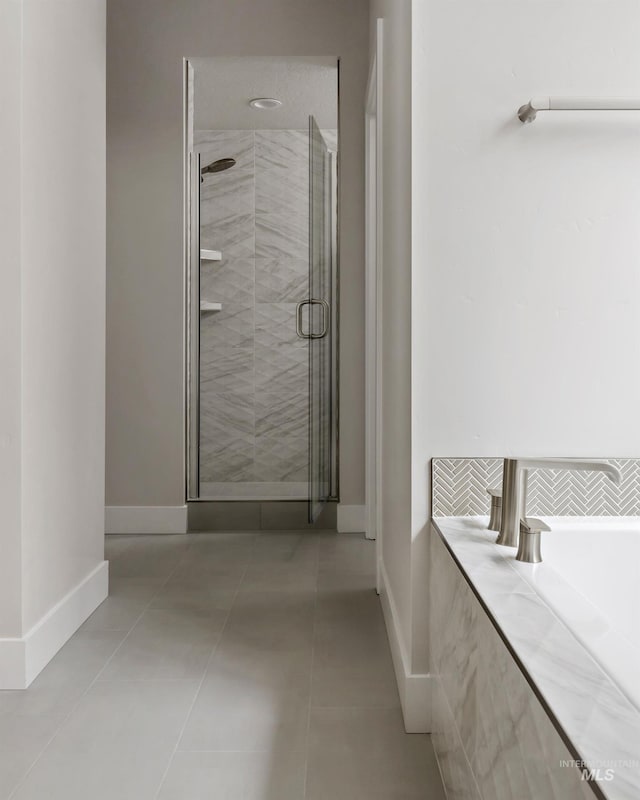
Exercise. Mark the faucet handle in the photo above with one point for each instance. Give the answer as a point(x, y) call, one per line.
point(531, 525)
point(529, 544)
point(496, 509)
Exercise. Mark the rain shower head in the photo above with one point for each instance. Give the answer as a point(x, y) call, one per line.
point(217, 166)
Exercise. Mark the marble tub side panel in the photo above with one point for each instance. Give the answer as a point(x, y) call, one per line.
point(484, 706)
point(455, 770)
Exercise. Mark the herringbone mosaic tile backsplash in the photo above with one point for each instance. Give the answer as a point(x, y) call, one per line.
point(459, 489)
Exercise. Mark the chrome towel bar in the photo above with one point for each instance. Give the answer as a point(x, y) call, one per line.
point(529, 111)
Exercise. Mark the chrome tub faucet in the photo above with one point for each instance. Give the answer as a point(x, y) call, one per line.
point(514, 488)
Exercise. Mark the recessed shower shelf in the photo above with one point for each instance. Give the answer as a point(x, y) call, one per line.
point(207, 306)
point(210, 255)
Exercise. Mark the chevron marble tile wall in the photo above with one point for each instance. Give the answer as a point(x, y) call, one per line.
point(253, 368)
point(459, 489)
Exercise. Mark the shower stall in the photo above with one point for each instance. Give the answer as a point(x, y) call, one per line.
point(262, 278)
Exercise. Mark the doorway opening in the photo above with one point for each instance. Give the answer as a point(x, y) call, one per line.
point(262, 263)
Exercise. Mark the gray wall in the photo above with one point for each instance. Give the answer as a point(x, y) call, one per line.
point(146, 41)
point(52, 292)
point(10, 315)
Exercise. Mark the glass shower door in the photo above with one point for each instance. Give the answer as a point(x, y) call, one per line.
point(193, 328)
point(319, 306)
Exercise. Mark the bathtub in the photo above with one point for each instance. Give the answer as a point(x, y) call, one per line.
point(590, 577)
point(572, 627)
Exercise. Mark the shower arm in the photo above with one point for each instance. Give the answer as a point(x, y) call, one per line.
point(529, 111)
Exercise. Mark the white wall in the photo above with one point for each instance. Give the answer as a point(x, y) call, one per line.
point(147, 41)
point(53, 361)
point(526, 261)
point(526, 258)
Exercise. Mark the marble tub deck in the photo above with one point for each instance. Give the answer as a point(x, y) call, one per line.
point(589, 710)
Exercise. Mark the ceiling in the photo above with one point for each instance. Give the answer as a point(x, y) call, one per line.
point(224, 86)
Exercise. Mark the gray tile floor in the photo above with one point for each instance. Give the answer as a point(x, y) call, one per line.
point(225, 667)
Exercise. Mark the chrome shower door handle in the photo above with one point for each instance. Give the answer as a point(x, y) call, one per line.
point(326, 312)
point(326, 315)
point(299, 330)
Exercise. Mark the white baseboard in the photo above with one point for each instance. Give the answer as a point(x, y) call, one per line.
point(351, 519)
point(21, 660)
point(414, 689)
point(145, 519)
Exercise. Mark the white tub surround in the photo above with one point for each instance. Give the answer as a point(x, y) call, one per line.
point(532, 607)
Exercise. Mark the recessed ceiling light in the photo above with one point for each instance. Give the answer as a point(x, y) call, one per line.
point(264, 103)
